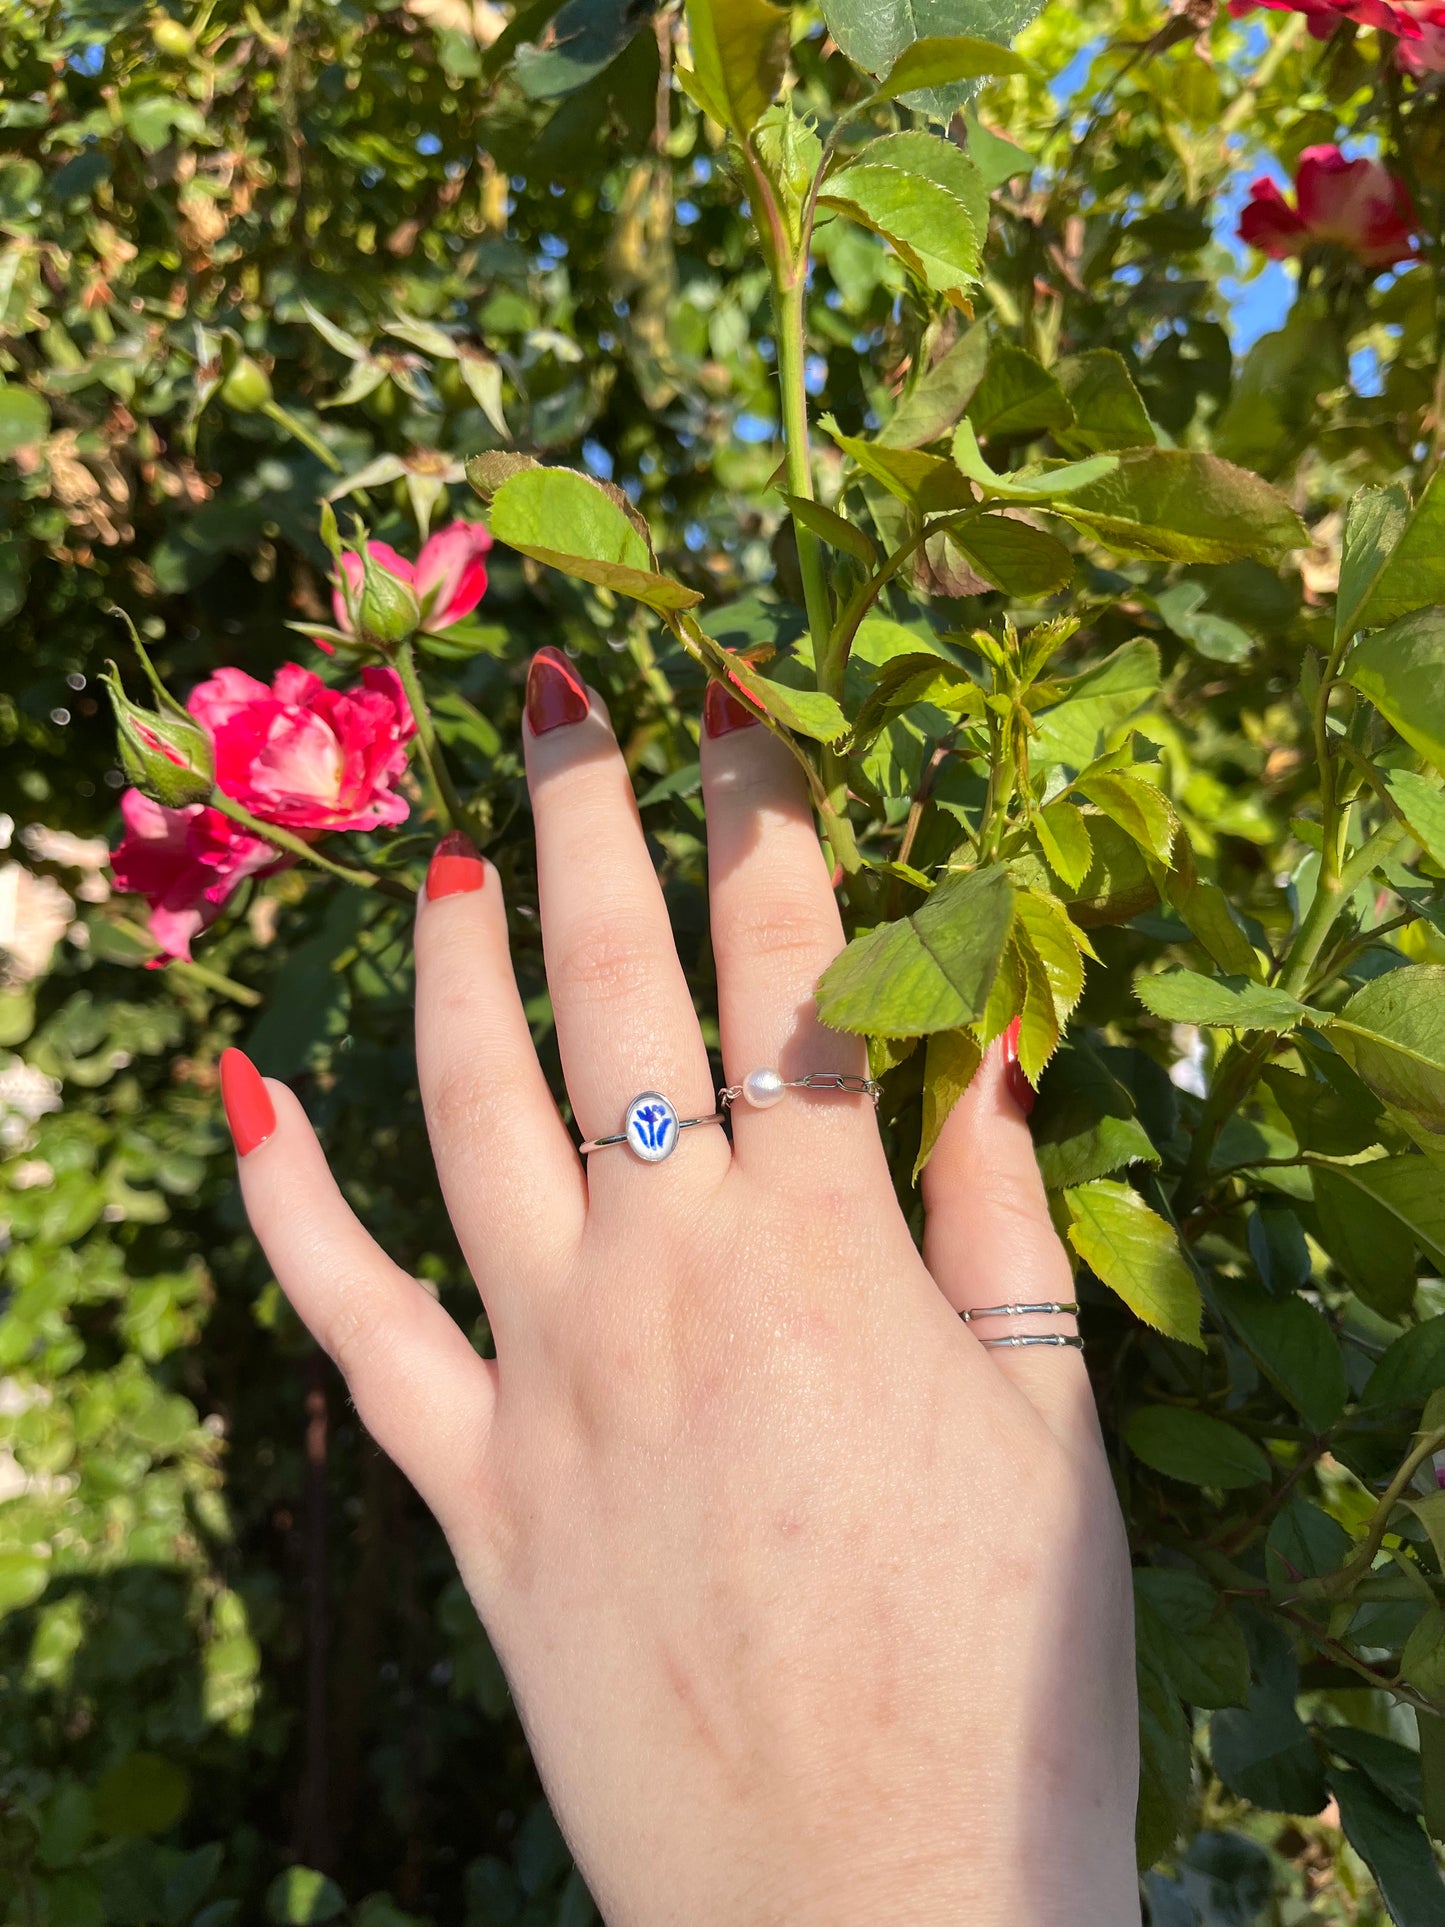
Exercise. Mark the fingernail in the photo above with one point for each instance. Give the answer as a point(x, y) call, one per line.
point(455, 868)
point(249, 1110)
point(1019, 1087)
point(722, 712)
point(556, 694)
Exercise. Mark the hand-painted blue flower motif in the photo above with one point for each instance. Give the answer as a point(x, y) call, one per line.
point(651, 1127)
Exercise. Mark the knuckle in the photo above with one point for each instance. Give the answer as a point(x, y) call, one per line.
point(608, 962)
point(781, 924)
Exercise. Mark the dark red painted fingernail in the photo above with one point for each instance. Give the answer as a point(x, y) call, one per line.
point(249, 1110)
point(1019, 1087)
point(556, 694)
point(455, 868)
point(722, 713)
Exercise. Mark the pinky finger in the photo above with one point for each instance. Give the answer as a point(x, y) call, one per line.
point(422, 1392)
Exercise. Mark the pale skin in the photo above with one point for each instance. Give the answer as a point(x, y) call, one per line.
point(816, 1611)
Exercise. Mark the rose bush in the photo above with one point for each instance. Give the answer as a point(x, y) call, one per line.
point(1076, 590)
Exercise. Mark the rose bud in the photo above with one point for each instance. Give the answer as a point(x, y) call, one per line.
point(165, 754)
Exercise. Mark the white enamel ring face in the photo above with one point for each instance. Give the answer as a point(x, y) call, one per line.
point(651, 1127)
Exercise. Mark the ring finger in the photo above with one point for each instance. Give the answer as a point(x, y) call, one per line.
point(625, 1017)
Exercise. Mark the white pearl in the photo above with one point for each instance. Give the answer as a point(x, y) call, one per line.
point(762, 1089)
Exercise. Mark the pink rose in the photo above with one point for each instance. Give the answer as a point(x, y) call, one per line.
point(305, 756)
point(185, 863)
point(1427, 54)
point(1390, 16)
point(449, 577)
point(1358, 205)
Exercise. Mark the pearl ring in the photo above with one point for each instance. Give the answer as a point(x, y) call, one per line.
point(761, 1089)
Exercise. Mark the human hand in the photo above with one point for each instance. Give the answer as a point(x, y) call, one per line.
point(815, 1610)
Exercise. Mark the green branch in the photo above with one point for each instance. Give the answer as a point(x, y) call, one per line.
point(445, 799)
point(304, 852)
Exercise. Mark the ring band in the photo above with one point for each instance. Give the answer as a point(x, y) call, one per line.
point(1034, 1338)
point(1015, 1311)
point(650, 1128)
point(763, 1088)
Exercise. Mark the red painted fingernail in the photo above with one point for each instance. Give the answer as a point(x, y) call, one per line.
point(455, 868)
point(249, 1110)
point(722, 713)
point(556, 694)
point(1019, 1087)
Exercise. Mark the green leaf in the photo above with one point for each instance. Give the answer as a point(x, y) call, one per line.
point(582, 39)
point(998, 157)
point(1064, 839)
point(832, 529)
point(1043, 483)
point(1108, 410)
point(1367, 1244)
point(1394, 1848)
point(562, 518)
point(1182, 607)
point(873, 33)
point(1018, 396)
point(1178, 505)
point(1014, 556)
point(301, 1896)
point(1135, 1253)
point(926, 482)
point(912, 681)
point(807, 712)
point(1194, 1447)
point(1431, 1730)
point(1393, 1034)
point(1191, 1636)
point(1393, 1769)
point(1393, 559)
point(1292, 1345)
point(1422, 1662)
point(1084, 1123)
point(1303, 1543)
point(1372, 1218)
point(141, 1794)
point(1422, 804)
point(23, 1578)
point(1165, 1761)
point(936, 400)
point(739, 51)
point(24, 419)
point(1401, 669)
point(1412, 1368)
point(1263, 1753)
point(944, 61)
point(1234, 1003)
point(1095, 704)
point(1141, 811)
point(928, 972)
point(1377, 519)
point(1337, 1118)
point(1119, 883)
point(952, 1058)
point(924, 196)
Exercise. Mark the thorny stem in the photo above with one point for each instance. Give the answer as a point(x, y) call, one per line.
point(192, 972)
point(449, 805)
point(276, 413)
point(1334, 1585)
point(306, 853)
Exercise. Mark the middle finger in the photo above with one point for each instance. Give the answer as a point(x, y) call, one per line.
point(625, 1018)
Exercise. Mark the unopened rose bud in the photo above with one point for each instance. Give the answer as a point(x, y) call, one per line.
point(247, 388)
point(164, 753)
point(388, 612)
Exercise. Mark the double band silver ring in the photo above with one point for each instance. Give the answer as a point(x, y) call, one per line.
point(1052, 1309)
point(650, 1127)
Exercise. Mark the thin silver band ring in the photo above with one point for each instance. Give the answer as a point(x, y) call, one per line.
point(1035, 1338)
point(650, 1128)
point(1053, 1310)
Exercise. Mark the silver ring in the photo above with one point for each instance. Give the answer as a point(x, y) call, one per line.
point(1034, 1338)
point(1015, 1311)
point(763, 1088)
point(650, 1128)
